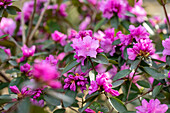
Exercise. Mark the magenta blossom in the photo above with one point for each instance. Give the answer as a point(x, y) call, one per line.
point(8, 52)
point(154, 106)
point(59, 37)
point(77, 80)
point(27, 52)
point(138, 32)
point(7, 26)
point(39, 103)
point(46, 73)
point(89, 111)
point(142, 48)
point(85, 23)
point(110, 7)
point(62, 10)
point(50, 60)
point(25, 68)
point(5, 3)
point(166, 45)
point(103, 82)
point(86, 46)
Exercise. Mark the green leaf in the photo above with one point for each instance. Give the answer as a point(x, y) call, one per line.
point(11, 10)
point(16, 8)
point(101, 59)
point(143, 83)
point(115, 22)
point(70, 65)
point(156, 91)
point(71, 94)
point(52, 26)
point(129, 14)
point(36, 109)
point(13, 62)
point(168, 60)
point(135, 64)
point(59, 111)
point(1, 12)
point(40, 53)
point(10, 71)
point(51, 100)
point(125, 24)
point(122, 74)
point(7, 98)
point(68, 47)
point(3, 36)
point(116, 42)
point(117, 83)
point(154, 73)
point(117, 104)
point(113, 62)
point(3, 55)
point(89, 97)
point(24, 105)
point(100, 23)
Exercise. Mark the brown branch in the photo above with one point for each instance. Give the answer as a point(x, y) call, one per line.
point(74, 110)
point(39, 21)
point(31, 21)
point(23, 24)
point(91, 63)
point(166, 15)
point(6, 78)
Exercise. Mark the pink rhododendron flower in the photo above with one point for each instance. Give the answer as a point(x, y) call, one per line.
point(51, 60)
point(85, 23)
point(86, 47)
point(59, 37)
point(5, 3)
point(103, 82)
point(142, 48)
point(7, 26)
point(166, 45)
point(153, 106)
point(39, 103)
point(89, 111)
point(62, 10)
point(8, 52)
point(155, 20)
point(27, 52)
point(77, 80)
point(110, 7)
point(138, 32)
point(25, 68)
point(46, 73)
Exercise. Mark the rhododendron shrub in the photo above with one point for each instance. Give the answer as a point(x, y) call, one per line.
point(83, 56)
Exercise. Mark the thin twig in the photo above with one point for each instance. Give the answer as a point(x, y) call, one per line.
point(74, 110)
point(91, 63)
point(6, 78)
point(23, 25)
point(31, 21)
point(39, 21)
point(132, 81)
point(139, 96)
point(166, 15)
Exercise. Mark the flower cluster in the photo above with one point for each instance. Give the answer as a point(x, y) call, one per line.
point(59, 37)
point(79, 80)
point(25, 68)
point(153, 106)
point(5, 3)
point(166, 45)
point(46, 73)
point(103, 82)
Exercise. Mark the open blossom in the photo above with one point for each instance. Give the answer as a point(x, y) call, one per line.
point(166, 45)
point(5, 3)
point(103, 82)
point(62, 10)
point(110, 7)
point(7, 26)
point(138, 32)
point(86, 46)
point(153, 106)
point(59, 37)
point(142, 48)
point(85, 23)
point(50, 60)
point(25, 68)
point(27, 52)
point(46, 73)
point(77, 80)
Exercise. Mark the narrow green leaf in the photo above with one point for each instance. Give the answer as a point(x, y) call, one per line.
point(122, 74)
point(68, 47)
point(3, 36)
point(16, 8)
point(117, 83)
point(115, 22)
point(116, 42)
point(154, 73)
point(70, 65)
point(134, 64)
point(51, 100)
point(13, 62)
point(100, 23)
point(143, 83)
point(1, 12)
point(3, 85)
point(168, 60)
point(113, 62)
point(59, 111)
point(125, 24)
point(100, 58)
point(11, 10)
point(117, 104)
point(156, 90)
point(71, 94)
